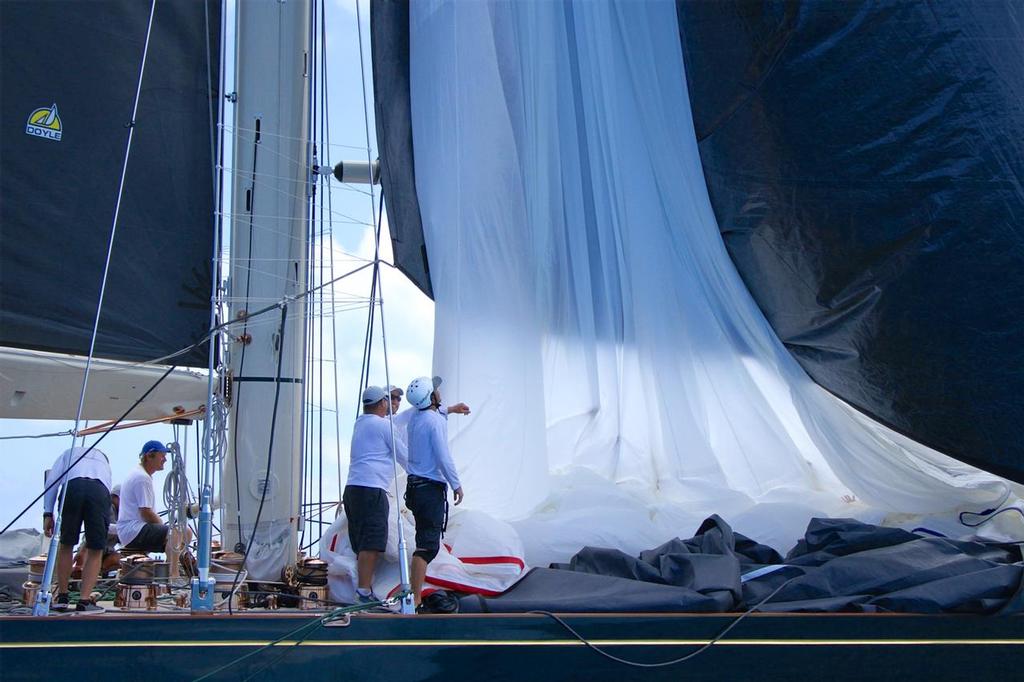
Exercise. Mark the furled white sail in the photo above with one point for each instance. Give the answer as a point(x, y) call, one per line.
point(262, 471)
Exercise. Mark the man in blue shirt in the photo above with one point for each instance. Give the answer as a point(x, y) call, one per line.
point(430, 467)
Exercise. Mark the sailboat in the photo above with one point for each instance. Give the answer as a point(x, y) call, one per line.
point(603, 200)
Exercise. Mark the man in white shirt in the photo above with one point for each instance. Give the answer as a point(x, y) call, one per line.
point(86, 499)
point(139, 527)
point(370, 473)
point(430, 466)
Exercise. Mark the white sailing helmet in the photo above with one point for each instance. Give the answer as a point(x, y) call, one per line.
point(419, 391)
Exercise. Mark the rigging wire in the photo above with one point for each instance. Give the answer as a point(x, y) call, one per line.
point(250, 204)
point(43, 599)
point(377, 286)
point(90, 449)
point(334, 327)
point(293, 139)
point(69, 432)
point(320, 241)
point(306, 459)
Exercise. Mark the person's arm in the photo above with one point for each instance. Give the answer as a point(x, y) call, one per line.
point(50, 497)
point(149, 516)
point(444, 460)
point(146, 512)
point(458, 408)
point(401, 452)
point(53, 475)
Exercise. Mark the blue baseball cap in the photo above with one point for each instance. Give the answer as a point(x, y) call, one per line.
point(153, 445)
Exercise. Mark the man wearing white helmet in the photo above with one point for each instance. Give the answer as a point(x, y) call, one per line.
point(430, 467)
point(370, 474)
point(401, 419)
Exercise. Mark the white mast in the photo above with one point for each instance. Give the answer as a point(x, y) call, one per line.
point(268, 255)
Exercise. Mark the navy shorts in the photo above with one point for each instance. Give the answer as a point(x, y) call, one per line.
point(86, 500)
point(367, 512)
point(151, 538)
point(427, 499)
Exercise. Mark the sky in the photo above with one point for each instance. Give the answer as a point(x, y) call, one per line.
point(408, 314)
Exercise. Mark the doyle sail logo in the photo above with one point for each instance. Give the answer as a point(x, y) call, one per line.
point(45, 123)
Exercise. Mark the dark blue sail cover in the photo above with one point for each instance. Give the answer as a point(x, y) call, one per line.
point(69, 74)
point(865, 162)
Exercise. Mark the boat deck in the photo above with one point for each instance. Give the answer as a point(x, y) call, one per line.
point(177, 646)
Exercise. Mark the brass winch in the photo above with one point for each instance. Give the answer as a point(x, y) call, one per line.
point(30, 588)
point(137, 569)
point(29, 592)
point(136, 597)
point(136, 588)
point(313, 597)
point(240, 598)
point(309, 580)
point(36, 568)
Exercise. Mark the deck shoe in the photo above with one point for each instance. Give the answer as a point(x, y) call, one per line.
point(89, 607)
point(366, 598)
point(61, 602)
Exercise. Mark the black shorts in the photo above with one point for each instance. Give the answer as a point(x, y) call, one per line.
point(367, 512)
point(85, 500)
point(151, 538)
point(427, 499)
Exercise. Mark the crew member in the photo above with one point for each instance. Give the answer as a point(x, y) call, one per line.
point(111, 557)
point(402, 418)
point(430, 466)
point(139, 527)
point(86, 500)
point(370, 473)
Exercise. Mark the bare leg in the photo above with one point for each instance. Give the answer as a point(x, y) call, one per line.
point(111, 562)
point(64, 554)
point(90, 572)
point(366, 563)
point(417, 574)
point(174, 543)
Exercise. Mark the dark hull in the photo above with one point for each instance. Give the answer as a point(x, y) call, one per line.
point(514, 647)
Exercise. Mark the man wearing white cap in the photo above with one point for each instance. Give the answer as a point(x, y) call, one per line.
point(370, 474)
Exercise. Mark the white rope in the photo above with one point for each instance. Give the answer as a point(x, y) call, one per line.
point(176, 494)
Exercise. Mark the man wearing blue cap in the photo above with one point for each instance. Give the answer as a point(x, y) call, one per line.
point(139, 528)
